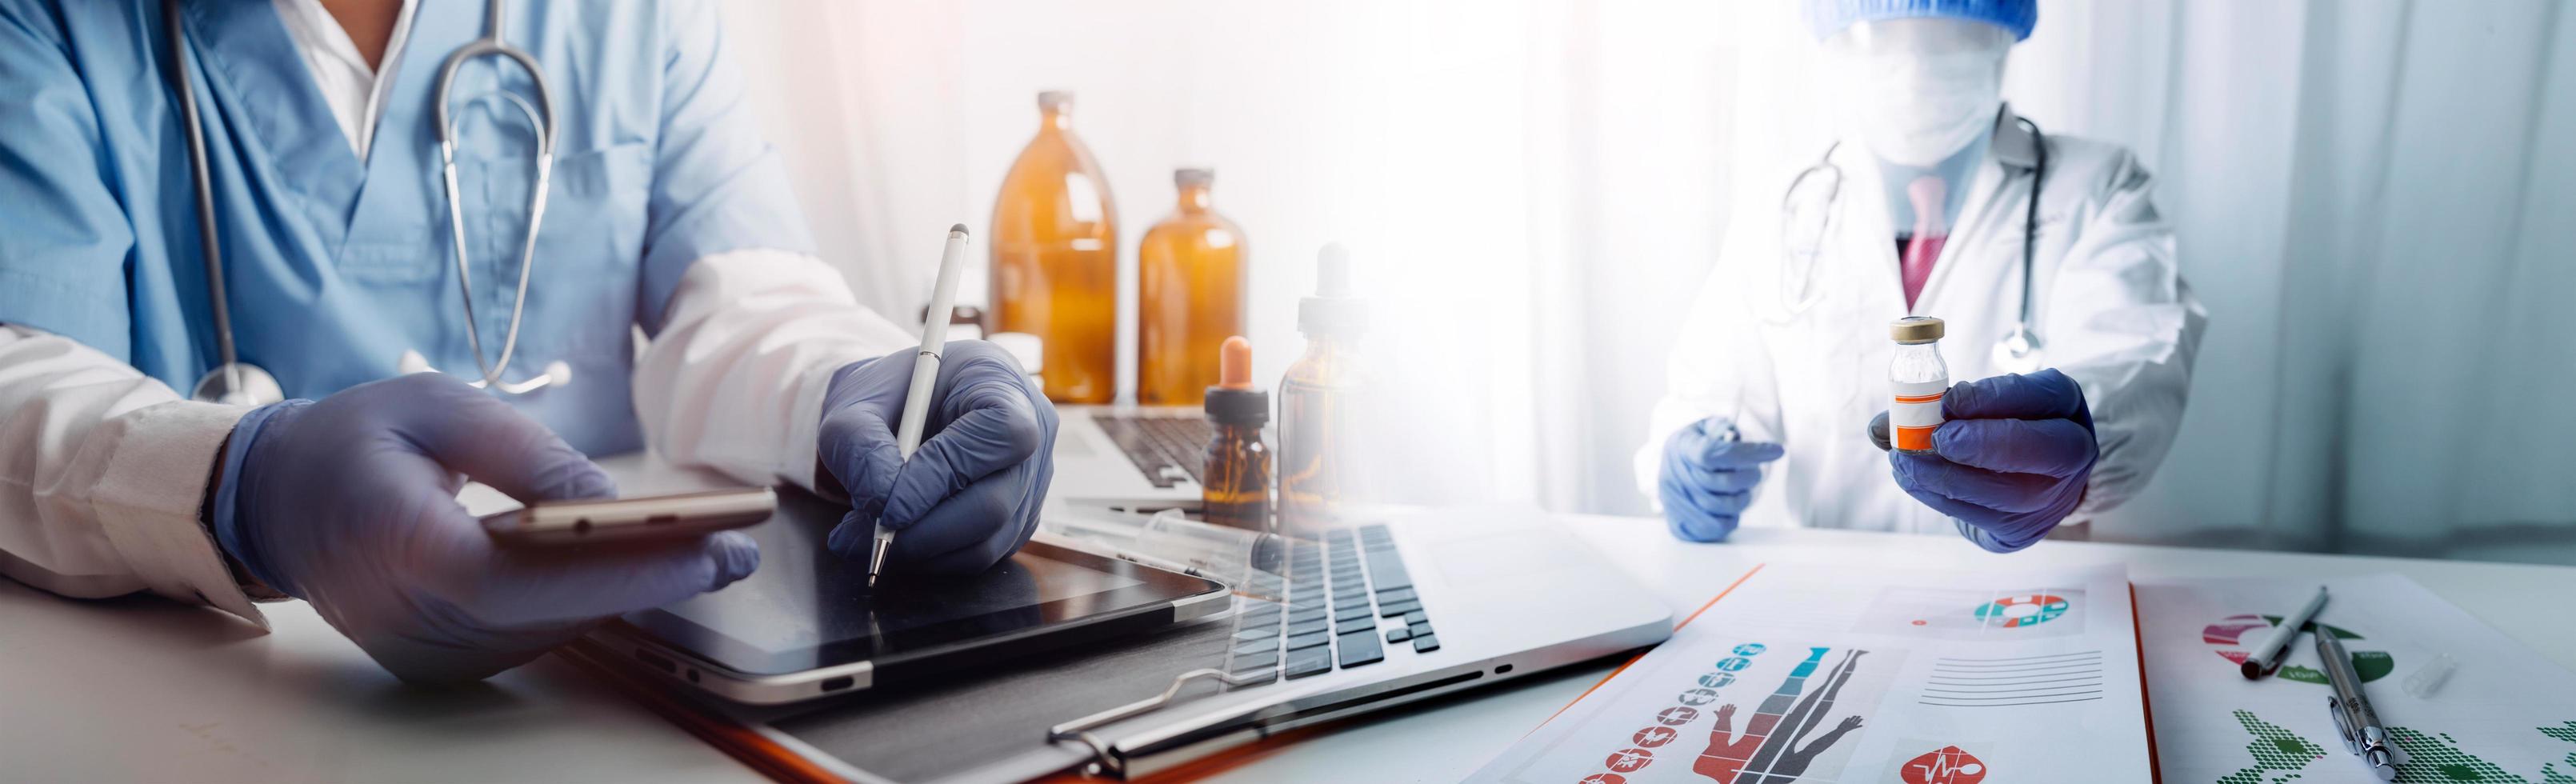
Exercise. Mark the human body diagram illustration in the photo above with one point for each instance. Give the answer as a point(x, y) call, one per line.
point(1775, 747)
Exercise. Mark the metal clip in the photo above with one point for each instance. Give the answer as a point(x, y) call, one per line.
point(1081, 729)
point(2344, 729)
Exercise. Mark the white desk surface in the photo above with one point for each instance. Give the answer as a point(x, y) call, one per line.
point(142, 689)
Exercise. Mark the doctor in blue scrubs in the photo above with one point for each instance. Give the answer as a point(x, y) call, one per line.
point(341, 274)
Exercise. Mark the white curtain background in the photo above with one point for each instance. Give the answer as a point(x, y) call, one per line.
point(2376, 200)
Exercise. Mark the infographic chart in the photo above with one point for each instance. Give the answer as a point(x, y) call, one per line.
point(1976, 614)
point(2504, 715)
point(1780, 741)
point(2280, 755)
point(1985, 689)
point(1945, 765)
point(2230, 634)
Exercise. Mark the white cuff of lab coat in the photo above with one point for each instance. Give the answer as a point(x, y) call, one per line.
point(149, 496)
point(736, 379)
point(804, 439)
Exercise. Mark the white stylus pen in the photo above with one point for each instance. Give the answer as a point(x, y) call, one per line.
point(925, 374)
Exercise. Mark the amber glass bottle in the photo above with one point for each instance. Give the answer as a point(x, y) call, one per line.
point(1190, 285)
point(1055, 259)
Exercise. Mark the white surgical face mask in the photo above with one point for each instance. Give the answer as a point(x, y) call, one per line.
point(1917, 90)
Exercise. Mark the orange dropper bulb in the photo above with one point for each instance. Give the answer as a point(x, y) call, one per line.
point(1234, 364)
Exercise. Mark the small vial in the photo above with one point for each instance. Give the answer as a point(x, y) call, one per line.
point(1919, 378)
point(1236, 492)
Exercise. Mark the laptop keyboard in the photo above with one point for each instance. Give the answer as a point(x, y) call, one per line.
point(1166, 448)
point(1328, 606)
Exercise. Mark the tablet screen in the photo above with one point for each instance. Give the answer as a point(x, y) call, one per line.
point(806, 607)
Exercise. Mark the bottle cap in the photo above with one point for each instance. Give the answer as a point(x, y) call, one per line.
point(1194, 178)
point(1234, 364)
point(1233, 401)
point(1335, 308)
point(1915, 329)
point(1056, 101)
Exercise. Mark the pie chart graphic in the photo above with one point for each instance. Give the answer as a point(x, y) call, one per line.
point(2231, 635)
point(2030, 609)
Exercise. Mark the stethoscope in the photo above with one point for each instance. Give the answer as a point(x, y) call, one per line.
point(2018, 350)
point(236, 382)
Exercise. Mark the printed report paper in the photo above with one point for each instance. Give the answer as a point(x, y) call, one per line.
point(1804, 674)
point(2502, 714)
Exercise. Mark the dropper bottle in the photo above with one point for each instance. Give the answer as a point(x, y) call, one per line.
point(1318, 401)
point(1236, 486)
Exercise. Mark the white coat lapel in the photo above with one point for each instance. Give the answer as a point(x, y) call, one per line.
point(1865, 241)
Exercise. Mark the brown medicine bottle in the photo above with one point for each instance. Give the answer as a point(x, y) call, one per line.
point(1190, 285)
point(1055, 259)
point(1236, 490)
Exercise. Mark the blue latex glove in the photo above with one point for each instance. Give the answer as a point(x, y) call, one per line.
point(2010, 459)
point(970, 497)
point(1708, 478)
point(350, 503)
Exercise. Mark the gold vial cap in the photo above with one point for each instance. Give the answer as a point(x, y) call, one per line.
point(1915, 329)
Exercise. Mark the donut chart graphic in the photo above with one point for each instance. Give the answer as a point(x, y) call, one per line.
point(2031, 609)
point(2230, 636)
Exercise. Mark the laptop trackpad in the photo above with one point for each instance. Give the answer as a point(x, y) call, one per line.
point(1503, 556)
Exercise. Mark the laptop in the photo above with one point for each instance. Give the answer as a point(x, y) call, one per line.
point(1401, 606)
point(1129, 458)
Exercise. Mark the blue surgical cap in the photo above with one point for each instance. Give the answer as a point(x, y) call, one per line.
point(1827, 17)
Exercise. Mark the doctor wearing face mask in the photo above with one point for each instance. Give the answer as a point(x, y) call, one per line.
point(2070, 328)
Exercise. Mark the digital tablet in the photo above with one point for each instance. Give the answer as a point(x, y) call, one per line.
point(805, 624)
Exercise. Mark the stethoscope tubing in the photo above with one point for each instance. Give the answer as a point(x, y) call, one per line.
point(2024, 338)
point(176, 32)
point(541, 117)
point(543, 121)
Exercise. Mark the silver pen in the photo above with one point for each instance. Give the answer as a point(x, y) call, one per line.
point(2362, 733)
point(2267, 655)
point(925, 374)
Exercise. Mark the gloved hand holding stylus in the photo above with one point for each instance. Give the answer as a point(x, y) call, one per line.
point(970, 497)
point(2010, 459)
point(350, 503)
point(1708, 477)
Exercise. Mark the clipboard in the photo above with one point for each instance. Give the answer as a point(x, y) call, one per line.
point(1020, 720)
point(999, 727)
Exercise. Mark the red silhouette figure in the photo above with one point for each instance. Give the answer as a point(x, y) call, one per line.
point(1768, 751)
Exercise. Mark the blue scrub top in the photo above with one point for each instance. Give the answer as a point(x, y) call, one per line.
point(336, 265)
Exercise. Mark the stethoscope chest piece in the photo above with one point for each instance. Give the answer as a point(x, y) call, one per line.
point(2018, 351)
point(238, 384)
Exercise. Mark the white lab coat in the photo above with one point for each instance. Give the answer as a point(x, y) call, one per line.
point(2110, 306)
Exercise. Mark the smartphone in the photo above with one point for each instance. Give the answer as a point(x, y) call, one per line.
point(683, 515)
